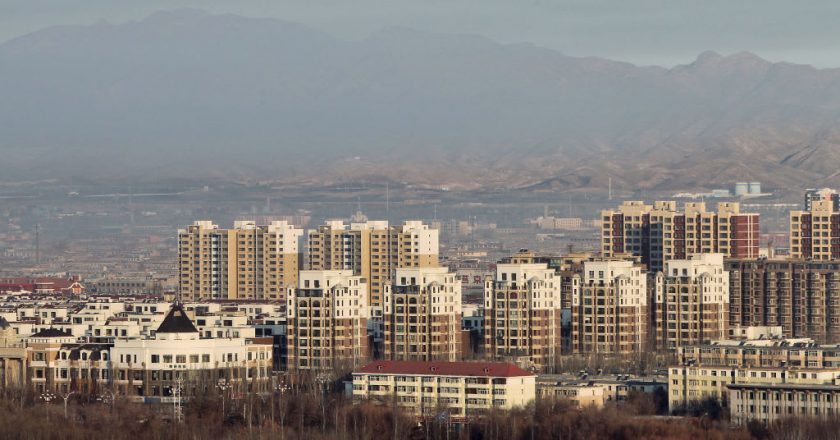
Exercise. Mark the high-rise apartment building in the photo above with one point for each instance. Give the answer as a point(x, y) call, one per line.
point(831, 195)
point(610, 308)
point(373, 250)
point(249, 261)
point(803, 297)
point(522, 313)
point(815, 233)
point(660, 232)
point(422, 317)
point(691, 302)
point(326, 318)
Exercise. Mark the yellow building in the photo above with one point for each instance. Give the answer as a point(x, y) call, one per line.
point(462, 389)
point(372, 250)
point(247, 262)
point(766, 402)
point(688, 384)
point(814, 233)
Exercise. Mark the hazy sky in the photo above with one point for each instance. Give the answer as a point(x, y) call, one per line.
point(643, 31)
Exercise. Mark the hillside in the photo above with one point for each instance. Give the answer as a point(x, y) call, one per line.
point(186, 92)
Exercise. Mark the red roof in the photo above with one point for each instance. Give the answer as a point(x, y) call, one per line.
point(481, 369)
point(50, 284)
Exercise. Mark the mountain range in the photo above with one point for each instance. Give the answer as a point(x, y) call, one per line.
point(190, 93)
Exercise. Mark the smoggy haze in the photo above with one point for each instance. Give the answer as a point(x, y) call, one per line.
point(643, 32)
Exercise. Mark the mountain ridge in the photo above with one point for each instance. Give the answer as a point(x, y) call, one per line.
point(187, 92)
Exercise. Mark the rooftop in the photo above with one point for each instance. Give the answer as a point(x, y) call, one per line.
point(177, 321)
point(479, 369)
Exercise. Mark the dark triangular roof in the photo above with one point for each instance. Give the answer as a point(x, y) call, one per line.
point(177, 321)
point(4, 324)
point(51, 333)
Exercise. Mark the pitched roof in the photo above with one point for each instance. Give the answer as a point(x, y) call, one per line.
point(51, 333)
point(177, 321)
point(481, 369)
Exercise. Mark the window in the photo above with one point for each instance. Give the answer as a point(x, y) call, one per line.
point(155, 358)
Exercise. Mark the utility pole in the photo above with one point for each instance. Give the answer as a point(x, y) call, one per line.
point(176, 402)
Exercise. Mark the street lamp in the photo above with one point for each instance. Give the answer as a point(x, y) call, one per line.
point(223, 386)
point(66, 397)
point(108, 398)
point(48, 397)
point(323, 379)
point(176, 400)
point(281, 388)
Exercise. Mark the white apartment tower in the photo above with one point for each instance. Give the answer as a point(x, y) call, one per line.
point(522, 313)
point(422, 319)
point(609, 308)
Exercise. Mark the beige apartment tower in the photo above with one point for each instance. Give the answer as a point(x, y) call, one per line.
point(610, 308)
point(422, 319)
point(249, 261)
point(327, 318)
point(372, 250)
point(815, 233)
point(522, 313)
point(691, 302)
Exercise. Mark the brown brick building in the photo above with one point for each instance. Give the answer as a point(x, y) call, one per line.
point(660, 232)
point(803, 297)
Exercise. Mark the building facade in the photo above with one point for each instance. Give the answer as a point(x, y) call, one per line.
point(659, 232)
point(768, 402)
point(815, 233)
point(460, 389)
point(326, 318)
point(372, 250)
point(803, 297)
point(422, 315)
point(150, 369)
point(691, 302)
point(522, 313)
point(610, 308)
point(691, 384)
point(831, 195)
point(249, 261)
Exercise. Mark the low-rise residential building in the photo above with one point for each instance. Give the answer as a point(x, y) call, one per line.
point(768, 402)
point(176, 356)
point(586, 390)
point(461, 389)
point(689, 384)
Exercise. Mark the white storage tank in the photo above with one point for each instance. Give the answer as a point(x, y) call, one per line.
point(742, 188)
point(755, 188)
